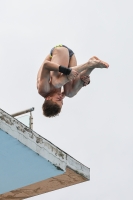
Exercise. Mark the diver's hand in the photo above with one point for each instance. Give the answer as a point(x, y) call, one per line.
point(85, 79)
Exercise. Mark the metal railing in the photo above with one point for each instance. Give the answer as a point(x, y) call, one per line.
point(24, 112)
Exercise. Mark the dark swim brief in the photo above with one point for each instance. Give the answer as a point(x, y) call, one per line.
point(69, 50)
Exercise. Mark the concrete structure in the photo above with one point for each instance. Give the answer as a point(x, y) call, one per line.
point(31, 165)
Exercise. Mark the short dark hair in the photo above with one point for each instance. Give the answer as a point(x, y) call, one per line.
point(50, 108)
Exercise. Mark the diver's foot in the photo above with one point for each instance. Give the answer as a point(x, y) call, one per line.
point(97, 63)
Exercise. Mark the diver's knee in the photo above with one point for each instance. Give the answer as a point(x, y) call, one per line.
point(69, 93)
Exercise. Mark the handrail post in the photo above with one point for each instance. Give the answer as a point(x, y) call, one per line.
point(31, 121)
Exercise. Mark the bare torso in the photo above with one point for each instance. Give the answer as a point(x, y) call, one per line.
point(48, 82)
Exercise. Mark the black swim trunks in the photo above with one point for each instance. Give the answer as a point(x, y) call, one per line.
point(69, 50)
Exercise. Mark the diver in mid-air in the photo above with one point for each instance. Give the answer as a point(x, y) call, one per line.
point(60, 76)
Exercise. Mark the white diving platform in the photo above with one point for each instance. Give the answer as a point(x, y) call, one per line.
point(31, 165)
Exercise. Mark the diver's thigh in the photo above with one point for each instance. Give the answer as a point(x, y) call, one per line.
point(73, 61)
point(68, 87)
point(60, 56)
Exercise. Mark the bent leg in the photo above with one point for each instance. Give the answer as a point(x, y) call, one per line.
point(60, 56)
point(68, 87)
point(84, 70)
point(72, 88)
